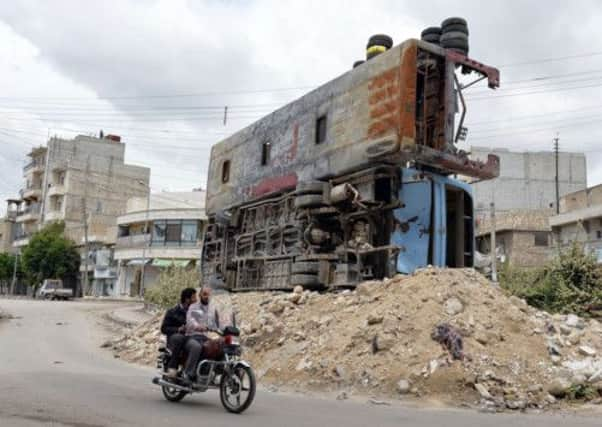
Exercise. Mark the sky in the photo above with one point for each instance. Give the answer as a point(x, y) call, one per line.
point(159, 73)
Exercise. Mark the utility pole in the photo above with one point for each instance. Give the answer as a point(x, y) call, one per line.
point(85, 221)
point(492, 251)
point(147, 243)
point(556, 178)
point(14, 282)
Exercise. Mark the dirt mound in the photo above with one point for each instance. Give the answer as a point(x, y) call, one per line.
point(377, 340)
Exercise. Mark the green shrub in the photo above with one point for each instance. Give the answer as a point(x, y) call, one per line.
point(571, 283)
point(166, 292)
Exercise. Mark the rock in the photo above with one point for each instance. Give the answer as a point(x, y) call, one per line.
point(106, 344)
point(516, 404)
point(379, 402)
point(340, 372)
point(550, 399)
point(433, 365)
point(535, 388)
point(343, 396)
point(587, 351)
point(595, 377)
point(303, 365)
point(484, 337)
point(453, 306)
point(554, 349)
point(483, 392)
point(382, 343)
point(574, 338)
point(276, 308)
point(558, 388)
point(403, 386)
point(565, 330)
point(574, 321)
point(298, 289)
point(374, 319)
point(295, 297)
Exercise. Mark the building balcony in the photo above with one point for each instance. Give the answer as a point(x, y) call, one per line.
point(30, 213)
point(31, 193)
point(161, 252)
point(56, 215)
point(133, 241)
point(21, 240)
point(32, 168)
point(56, 190)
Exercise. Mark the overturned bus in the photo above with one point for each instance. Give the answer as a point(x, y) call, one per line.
point(352, 181)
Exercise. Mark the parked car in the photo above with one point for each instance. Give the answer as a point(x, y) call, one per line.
point(53, 289)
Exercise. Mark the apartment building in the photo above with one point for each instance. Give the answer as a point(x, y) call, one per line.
point(82, 181)
point(580, 221)
point(166, 229)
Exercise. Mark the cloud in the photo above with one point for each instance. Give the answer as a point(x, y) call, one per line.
point(76, 52)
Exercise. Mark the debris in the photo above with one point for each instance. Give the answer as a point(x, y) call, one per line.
point(374, 319)
point(379, 402)
point(558, 388)
point(483, 392)
point(450, 338)
point(587, 351)
point(453, 306)
point(574, 321)
point(403, 386)
point(343, 396)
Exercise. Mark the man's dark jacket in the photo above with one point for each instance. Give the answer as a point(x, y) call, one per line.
point(174, 318)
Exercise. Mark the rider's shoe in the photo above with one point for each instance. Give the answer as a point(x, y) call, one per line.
point(186, 380)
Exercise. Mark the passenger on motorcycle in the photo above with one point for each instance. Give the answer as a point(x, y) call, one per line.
point(174, 328)
point(200, 319)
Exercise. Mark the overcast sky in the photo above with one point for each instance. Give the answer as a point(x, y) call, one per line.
point(159, 73)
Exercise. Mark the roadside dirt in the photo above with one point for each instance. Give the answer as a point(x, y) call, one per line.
point(377, 341)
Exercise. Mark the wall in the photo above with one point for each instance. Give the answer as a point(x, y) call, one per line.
point(527, 179)
point(519, 248)
point(581, 199)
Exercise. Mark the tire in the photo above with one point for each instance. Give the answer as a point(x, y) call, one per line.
point(173, 395)
point(311, 267)
point(380, 40)
point(456, 27)
point(430, 30)
point(454, 35)
point(454, 20)
point(313, 187)
point(455, 43)
point(431, 38)
point(305, 280)
point(309, 201)
point(223, 388)
point(358, 63)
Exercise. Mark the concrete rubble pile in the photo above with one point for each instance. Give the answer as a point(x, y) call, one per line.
point(377, 340)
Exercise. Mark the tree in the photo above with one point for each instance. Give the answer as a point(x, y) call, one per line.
point(49, 255)
point(166, 292)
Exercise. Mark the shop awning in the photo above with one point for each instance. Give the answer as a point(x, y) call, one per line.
point(163, 262)
point(138, 261)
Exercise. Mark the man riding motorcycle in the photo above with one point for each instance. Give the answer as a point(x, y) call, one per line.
point(200, 319)
point(174, 328)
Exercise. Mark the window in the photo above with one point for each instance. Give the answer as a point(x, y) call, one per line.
point(321, 129)
point(173, 232)
point(189, 232)
point(541, 238)
point(265, 153)
point(159, 230)
point(599, 234)
point(226, 171)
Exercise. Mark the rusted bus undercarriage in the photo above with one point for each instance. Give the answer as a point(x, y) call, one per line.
point(321, 234)
point(370, 197)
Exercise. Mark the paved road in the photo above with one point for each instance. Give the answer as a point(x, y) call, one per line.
point(52, 373)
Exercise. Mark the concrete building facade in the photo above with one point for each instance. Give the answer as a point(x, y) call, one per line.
point(580, 221)
point(169, 232)
point(83, 182)
point(523, 237)
point(527, 180)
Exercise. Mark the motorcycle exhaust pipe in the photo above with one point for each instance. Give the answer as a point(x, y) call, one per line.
point(162, 382)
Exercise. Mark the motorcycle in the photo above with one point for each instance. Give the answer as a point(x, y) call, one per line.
point(220, 368)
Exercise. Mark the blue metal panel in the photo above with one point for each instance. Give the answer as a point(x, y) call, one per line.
point(414, 221)
point(439, 222)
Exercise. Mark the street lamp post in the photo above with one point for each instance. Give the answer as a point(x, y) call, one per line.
point(147, 243)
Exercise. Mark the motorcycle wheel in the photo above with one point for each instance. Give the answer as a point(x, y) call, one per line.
point(237, 389)
point(172, 394)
